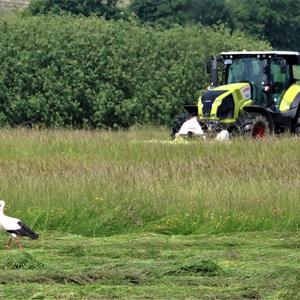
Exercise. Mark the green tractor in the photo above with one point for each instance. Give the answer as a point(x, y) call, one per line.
point(251, 94)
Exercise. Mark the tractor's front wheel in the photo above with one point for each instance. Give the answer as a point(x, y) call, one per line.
point(254, 125)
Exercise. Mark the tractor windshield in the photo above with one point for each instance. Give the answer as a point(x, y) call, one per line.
point(249, 69)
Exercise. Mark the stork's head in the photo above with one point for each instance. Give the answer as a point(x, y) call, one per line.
point(2, 205)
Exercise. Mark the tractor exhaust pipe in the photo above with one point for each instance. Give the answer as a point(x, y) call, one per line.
point(214, 72)
point(212, 69)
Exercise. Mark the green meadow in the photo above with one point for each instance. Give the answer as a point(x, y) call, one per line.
point(102, 183)
point(131, 215)
point(256, 265)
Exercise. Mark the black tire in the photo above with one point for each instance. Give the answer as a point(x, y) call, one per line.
point(297, 130)
point(254, 125)
point(297, 127)
point(178, 123)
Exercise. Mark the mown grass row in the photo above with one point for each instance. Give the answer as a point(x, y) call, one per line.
point(252, 265)
point(102, 183)
point(153, 266)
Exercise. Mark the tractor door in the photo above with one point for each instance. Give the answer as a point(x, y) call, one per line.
point(280, 81)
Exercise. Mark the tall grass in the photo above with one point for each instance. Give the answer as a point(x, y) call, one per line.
point(101, 183)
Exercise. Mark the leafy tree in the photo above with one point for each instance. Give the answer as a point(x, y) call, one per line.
point(276, 20)
point(105, 8)
point(208, 12)
point(167, 13)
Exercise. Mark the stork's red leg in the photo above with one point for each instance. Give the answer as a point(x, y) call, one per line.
point(19, 244)
point(8, 245)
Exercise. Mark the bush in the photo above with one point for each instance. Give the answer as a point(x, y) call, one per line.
point(88, 72)
point(103, 8)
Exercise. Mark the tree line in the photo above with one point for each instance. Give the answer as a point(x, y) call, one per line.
point(95, 64)
point(277, 21)
point(65, 71)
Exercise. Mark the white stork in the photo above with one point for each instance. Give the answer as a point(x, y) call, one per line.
point(14, 227)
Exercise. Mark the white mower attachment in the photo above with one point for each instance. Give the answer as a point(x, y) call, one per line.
point(191, 128)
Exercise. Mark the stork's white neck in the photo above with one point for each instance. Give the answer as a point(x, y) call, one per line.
point(1, 210)
point(2, 206)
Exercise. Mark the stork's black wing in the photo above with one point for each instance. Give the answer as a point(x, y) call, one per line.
point(24, 231)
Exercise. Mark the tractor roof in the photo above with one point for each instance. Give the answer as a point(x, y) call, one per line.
point(290, 56)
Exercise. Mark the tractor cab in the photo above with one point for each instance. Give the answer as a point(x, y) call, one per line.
point(270, 74)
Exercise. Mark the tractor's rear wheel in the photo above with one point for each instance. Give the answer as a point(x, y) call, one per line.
point(178, 123)
point(254, 125)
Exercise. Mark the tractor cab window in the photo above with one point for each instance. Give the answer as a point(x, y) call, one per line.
point(296, 72)
point(247, 69)
point(253, 70)
point(280, 79)
point(280, 76)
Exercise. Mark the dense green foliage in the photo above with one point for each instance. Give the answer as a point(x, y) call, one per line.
point(87, 72)
point(103, 8)
point(276, 20)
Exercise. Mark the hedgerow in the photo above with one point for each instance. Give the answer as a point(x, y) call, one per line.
point(87, 72)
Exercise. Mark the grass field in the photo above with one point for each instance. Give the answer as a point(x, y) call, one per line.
point(102, 183)
point(258, 265)
point(131, 215)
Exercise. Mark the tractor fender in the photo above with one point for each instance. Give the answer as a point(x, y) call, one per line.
point(295, 107)
point(263, 111)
